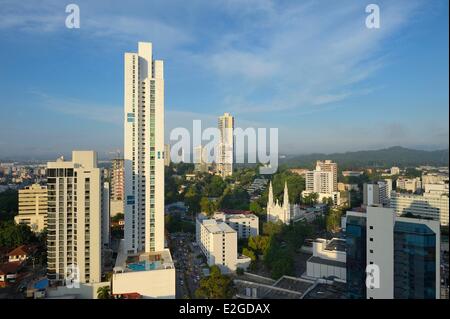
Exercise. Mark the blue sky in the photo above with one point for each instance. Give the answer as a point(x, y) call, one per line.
point(310, 68)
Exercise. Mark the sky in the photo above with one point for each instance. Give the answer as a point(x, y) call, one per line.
point(312, 69)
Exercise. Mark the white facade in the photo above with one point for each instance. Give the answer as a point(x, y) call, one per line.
point(380, 246)
point(395, 170)
point(409, 184)
point(377, 193)
point(328, 259)
point(74, 217)
point(285, 212)
point(323, 181)
point(218, 242)
point(225, 148)
point(245, 225)
point(144, 151)
point(152, 275)
point(380, 223)
point(429, 205)
point(33, 207)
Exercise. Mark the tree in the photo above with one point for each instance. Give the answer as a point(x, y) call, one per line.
point(207, 206)
point(215, 286)
point(255, 208)
point(13, 235)
point(249, 253)
point(215, 187)
point(234, 198)
point(192, 199)
point(117, 217)
point(333, 219)
point(258, 244)
point(103, 292)
point(271, 228)
point(8, 204)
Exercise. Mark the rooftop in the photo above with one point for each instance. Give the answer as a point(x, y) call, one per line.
point(217, 227)
point(146, 261)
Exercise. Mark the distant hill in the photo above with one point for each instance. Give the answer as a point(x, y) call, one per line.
point(393, 156)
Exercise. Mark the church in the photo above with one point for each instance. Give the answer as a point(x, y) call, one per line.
point(285, 212)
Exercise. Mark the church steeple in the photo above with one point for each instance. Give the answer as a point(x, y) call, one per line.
point(270, 199)
point(286, 196)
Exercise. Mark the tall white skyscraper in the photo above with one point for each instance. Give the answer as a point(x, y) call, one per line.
point(225, 148)
point(144, 151)
point(143, 265)
point(75, 218)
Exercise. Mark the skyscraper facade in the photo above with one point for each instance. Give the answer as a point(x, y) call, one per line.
point(144, 151)
point(406, 252)
point(225, 148)
point(74, 218)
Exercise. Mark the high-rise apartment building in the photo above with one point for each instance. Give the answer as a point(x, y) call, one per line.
point(33, 207)
point(144, 151)
point(117, 186)
point(377, 194)
point(328, 166)
point(143, 265)
point(225, 148)
point(323, 181)
point(166, 154)
point(75, 218)
point(403, 255)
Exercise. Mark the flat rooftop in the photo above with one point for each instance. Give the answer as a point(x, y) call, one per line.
point(336, 244)
point(217, 227)
point(145, 261)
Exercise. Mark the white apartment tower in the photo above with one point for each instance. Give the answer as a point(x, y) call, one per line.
point(225, 148)
point(329, 166)
point(75, 218)
point(144, 151)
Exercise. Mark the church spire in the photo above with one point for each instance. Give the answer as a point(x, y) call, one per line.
point(270, 199)
point(286, 196)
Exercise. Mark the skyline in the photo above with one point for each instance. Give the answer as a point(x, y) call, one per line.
point(74, 77)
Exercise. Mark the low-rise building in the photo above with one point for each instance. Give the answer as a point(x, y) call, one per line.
point(218, 242)
point(33, 207)
point(151, 274)
point(328, 260)
point(245, 223)
point(429, 205)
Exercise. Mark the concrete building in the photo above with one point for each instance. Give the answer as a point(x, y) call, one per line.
point(33, 207)
point(74, 218)
point(395, 170)
point(432, 205)
point(218, 242)
point(245, 224)
point(323, 181)
point(328, 260)
point(434, 178)
point(402, 256)
point(143, 264)
point(117, 187)
point(225, 148)
point(409, 184)
point(200, 159)
point(167, 155)
point(286, 212)
point(328, 166)
point(144, 147)
point(377, 194)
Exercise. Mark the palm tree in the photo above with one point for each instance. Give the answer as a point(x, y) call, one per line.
point(103, 292)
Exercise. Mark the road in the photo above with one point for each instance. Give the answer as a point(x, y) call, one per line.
point(187, 265)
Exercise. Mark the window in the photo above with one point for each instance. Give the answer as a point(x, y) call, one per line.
point(371, 239)
point(371, 227)
point(371, 251)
